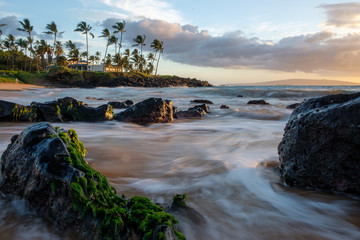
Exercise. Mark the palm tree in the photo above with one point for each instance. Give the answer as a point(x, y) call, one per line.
point(151, 59)
point(158, 46)
point(74, 53)
point(9, 42)
point(140, 41)
point(52, 29)
point(114, 40)
point(120, 27)
point(26, 27)
point(23, 44)
point(58, 50)
point(85, 29)
point(92, 59)
point(106, 33)
point(97, 57)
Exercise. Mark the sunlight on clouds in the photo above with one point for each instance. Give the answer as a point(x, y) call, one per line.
point(154, 9)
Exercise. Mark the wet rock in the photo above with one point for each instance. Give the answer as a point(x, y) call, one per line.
point(46, 167)
point(48, 111)
point(224, 107)
point(204, 107)
point(74, 110)
point(15, 112)
point(258, 102)
point(202, 101)
point(239, 96)
point(293, 106)
point(94, 98)
point(152, 110)
point(194, 112)
point(321, 144)
point(121, 105)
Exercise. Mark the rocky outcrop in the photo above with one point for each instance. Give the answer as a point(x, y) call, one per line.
point(321, 144)
point(64, 109)
point(46, 167)
point(152, 110)
point(194, 112)
point(258, 102)
point(224, 107)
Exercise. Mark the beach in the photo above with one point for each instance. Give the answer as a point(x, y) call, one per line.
point(216, 161)
point(17, 86)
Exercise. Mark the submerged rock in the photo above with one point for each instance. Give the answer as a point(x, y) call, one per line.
point(46, 167)
point(224, 107)
point(293, 106)
point(321, 144)
point(259, 102)
point(152, 110)
point(202, 101)
point(194, 112)
point(121, 105)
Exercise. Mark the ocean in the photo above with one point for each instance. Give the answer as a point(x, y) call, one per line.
point(216, 161)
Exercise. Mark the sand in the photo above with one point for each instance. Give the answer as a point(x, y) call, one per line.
point(16, 86)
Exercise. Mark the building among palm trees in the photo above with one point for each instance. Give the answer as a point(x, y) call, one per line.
point(83, 66)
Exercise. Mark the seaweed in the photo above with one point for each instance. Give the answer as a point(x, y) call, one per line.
point(94, 195)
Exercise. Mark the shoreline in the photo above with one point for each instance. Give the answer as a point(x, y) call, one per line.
point(17, 86)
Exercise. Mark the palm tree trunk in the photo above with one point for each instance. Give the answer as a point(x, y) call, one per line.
point(87, 52)
point(104, 67)
point(157, 64)
point(54, 46)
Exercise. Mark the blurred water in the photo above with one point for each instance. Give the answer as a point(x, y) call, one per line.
point(215, 161)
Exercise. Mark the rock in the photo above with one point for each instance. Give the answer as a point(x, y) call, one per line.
point(117, 105)
point(321, 144)
point(73, 110)
point(204, 107)
point(94, 98)
point(259, 102)
point(121, 105)
point(152, 110)
point(48, 111)
point(201, 101)
point(293, 106)
point(194, 112)
point(224, 107)
point(46, 167)
point(239, 96)
point(15, 112)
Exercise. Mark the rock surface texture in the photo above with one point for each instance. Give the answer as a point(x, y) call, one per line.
point(194, 112)
point(45, 166)
point(152, 110)
point(321, 144)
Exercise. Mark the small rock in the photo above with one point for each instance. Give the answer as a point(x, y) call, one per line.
point(202, 101)
point(239, 96)
point(293, 106)
point(224, 107)
point(259, 102)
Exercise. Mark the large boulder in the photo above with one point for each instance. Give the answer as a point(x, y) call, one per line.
point(321, 144)
point(46, 167)
point(152, 110)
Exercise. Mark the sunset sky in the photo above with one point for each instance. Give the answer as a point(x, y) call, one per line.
point(224, 42)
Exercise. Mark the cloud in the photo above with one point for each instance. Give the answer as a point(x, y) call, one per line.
point(12, 23)
point(187, 44)
point(153, 9)
point(342, 15)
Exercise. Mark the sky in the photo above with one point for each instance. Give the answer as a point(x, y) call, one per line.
point(223, 42)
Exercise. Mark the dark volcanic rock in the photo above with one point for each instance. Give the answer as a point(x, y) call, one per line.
point(15, 112)
point(224, 107)
point(152, 110)
point(293, 106)
point(321, 144)
point(259, 102)
point(74, 110)
point(194, 112)
point(49, 111)
point(239, 96)
point(46, 167)
point(121, 105)
point(202, 101)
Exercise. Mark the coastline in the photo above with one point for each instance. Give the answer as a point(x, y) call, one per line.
point(17, 86)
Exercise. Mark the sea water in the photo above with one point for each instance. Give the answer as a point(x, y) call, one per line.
point(215, 161)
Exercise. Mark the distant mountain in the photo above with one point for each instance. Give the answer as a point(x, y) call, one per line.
point(304, 82)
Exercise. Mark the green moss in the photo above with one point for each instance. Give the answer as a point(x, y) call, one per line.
point(94, 195)
point(21, 113)
point(179, 200)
